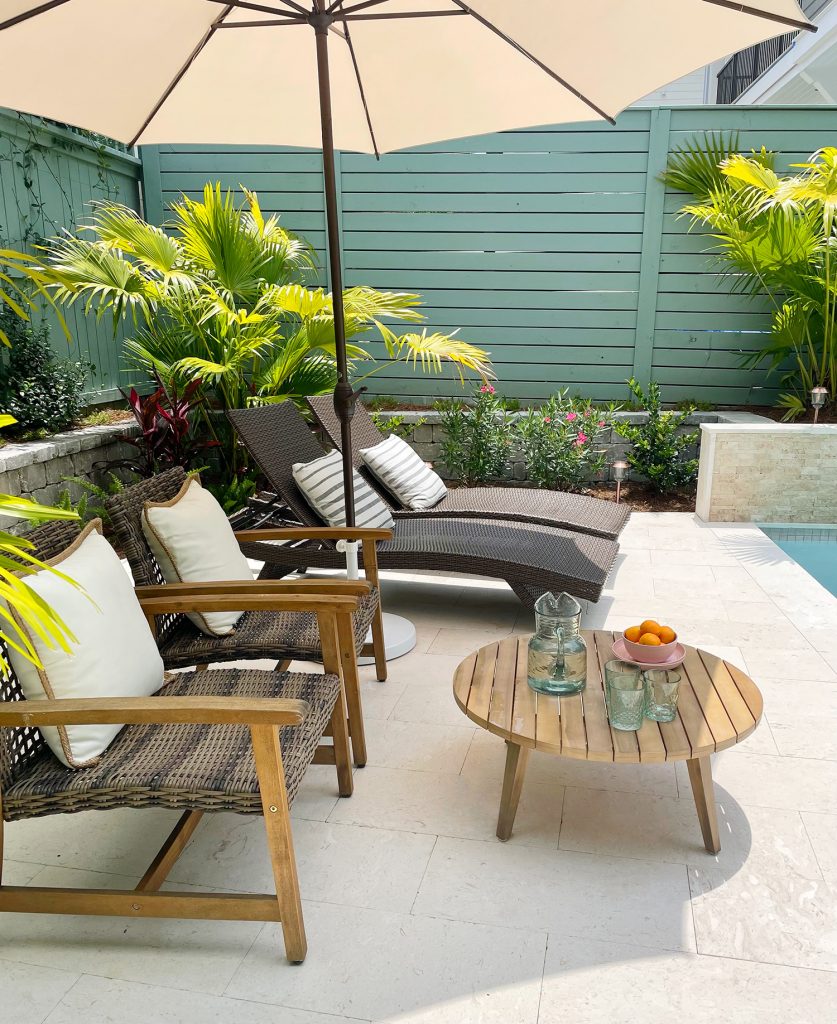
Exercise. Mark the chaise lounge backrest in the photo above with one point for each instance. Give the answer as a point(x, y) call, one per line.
point(277, 436)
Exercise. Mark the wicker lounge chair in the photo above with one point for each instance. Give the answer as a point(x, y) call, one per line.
point(282, 637)
point(230, 740)
point(514, 504)
point(531, 558)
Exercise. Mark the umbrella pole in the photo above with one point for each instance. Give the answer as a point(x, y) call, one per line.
point(344, 396)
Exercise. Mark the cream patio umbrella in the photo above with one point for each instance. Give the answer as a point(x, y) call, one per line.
point(366, 75)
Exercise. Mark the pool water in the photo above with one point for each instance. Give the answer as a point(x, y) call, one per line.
point(812, 547)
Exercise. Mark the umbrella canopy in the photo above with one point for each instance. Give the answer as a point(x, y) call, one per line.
point(372, 76)
point(204, 71)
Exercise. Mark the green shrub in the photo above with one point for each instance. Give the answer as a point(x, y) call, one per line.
point(41, 391)
point(396, 424)
point(477, 437)
point(659, 451)
point(561, 441)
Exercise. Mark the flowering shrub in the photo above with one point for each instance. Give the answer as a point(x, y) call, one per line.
point(477, 437)
point(659, 449)
point(561, 441)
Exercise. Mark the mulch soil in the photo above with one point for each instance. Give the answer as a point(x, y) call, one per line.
point(642, 498)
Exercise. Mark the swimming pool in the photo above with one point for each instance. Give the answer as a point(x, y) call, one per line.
point(813, 547)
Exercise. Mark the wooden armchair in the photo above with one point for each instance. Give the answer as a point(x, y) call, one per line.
point(263, 633)
point(229, 740)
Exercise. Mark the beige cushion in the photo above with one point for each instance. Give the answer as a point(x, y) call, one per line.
point(193, 542)
point(112, 650)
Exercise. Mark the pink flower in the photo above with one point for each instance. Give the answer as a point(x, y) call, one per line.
point(601, 423)
point(588, 412)
point(582, 437)
point(572, 416)
point(547, 419)
point(487, 389)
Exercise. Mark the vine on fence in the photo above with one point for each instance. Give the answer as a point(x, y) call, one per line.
point(28, 156)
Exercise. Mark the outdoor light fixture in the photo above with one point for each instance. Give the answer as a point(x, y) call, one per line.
point(619, 468)
point(818, 400)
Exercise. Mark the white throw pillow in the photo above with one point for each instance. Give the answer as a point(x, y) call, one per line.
point(113, 653)
point(321, 483)
point(193, 542)
point(404, 473)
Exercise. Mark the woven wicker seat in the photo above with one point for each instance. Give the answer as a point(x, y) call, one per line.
point(281, 637)
point(514, 504)
point(530, 557)
point(223, 740)
point(199, 767)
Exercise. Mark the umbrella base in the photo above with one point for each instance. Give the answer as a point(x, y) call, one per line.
point(399, 638)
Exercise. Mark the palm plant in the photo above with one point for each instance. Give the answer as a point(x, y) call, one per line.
point(19, 278)
point(775, 235)
point(18, 602)
point(219, 298)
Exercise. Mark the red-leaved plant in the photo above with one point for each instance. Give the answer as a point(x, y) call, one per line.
point(166, 435)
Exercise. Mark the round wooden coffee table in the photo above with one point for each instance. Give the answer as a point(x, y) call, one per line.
point(718, 707)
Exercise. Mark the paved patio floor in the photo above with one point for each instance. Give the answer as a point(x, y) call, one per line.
point(603, 907)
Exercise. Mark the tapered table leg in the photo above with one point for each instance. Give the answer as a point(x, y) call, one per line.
point(700, 776)
point(517, 758)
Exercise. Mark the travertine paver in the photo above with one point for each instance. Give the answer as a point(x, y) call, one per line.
point(604, 907)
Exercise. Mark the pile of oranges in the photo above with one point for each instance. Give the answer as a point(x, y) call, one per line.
point(650, 633)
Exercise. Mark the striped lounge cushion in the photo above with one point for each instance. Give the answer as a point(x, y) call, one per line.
point(321, 483)
point(403, 473)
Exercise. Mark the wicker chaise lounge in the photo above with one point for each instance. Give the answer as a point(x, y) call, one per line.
point(530, 558)
point(229, 740)
point(515, 504)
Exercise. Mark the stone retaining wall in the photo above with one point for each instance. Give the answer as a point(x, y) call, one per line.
point(37, 469)
point(768, 472)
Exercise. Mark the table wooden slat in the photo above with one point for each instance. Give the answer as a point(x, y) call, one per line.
point(502, 693)
point(462, 678)
point(721, 729)
point(748, 690)
point(599, 743)
point(625, 746)
point(548, 726)
point(524, 716)
point(734, 704)
point(675, 739)
point(479, 699)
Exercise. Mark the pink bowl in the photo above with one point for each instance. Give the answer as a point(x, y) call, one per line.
point(649, 655)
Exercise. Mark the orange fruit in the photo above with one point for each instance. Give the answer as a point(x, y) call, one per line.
point(633, 633)
point(650, 640)
point(649, 626)
point(667, 635)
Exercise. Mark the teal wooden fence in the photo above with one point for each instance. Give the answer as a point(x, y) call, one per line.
point(48, 177)
point(558, 249)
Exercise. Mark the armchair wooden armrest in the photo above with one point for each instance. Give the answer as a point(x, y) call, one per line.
point(153, 711)
point(354, 588)
point(362, 533)
point(163, 601)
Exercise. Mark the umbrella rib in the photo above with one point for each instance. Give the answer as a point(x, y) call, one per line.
point(193, 56)
point(526, 53)
point(780, 19)
point(356, 66)
point(246, 5)
point(27, 15)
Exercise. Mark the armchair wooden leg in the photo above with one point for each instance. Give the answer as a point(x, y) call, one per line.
point(351, 684)
point(370, 567)
point(158, 870)
point(339, 726)
point(268, 756)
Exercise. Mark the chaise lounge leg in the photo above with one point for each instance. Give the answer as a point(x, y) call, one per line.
point(277, 820)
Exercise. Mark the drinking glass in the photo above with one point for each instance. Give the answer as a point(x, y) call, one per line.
point(662, 688)
point(625, 694)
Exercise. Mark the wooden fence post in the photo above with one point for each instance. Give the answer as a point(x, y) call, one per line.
point(152, 185)
point(652, 237)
